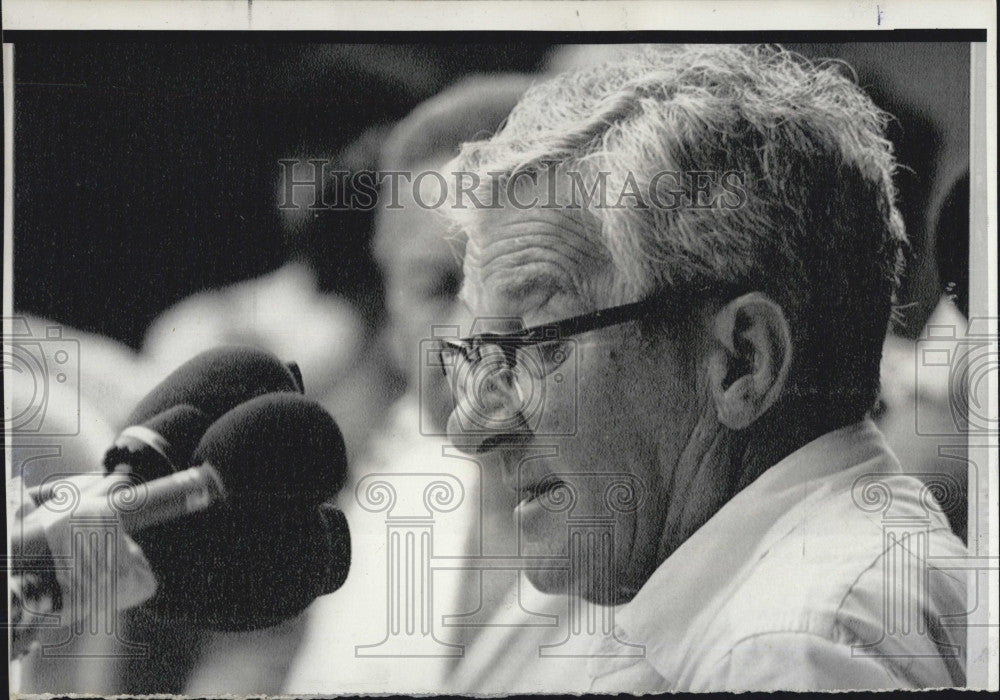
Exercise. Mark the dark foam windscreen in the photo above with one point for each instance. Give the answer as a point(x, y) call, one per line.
point(217, 380)
point(297, 449)
point(275, 545)
point(181, 428)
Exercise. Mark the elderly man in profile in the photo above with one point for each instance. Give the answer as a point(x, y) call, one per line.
point(683, 265)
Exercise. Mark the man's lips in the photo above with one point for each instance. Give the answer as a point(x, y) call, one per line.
point(505, 440)
point(507, 453)
point(528, 473)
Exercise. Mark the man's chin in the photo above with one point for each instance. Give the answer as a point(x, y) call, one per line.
point(553, 572)
point(555, 582)
point(548, 580)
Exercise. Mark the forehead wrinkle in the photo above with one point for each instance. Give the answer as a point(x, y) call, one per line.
point(524, 298)
point(516, 275)
point(541, 242)
point(521, 254)
point(526, 265)
point(581, 222)
point(537, 234)
point(575, 242)
point(581, 226)
point(578, 224)
point(540, 254)
point(517, 290)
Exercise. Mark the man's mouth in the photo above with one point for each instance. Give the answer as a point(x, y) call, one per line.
point(498, 442)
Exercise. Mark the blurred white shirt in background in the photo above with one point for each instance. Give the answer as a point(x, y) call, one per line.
point(282, 312)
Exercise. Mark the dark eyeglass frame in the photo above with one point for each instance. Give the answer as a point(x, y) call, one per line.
point(471, 348)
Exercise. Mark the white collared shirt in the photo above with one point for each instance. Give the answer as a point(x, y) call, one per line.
point(827, 572)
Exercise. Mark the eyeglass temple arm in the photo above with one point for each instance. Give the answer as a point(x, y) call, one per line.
point(591, 321)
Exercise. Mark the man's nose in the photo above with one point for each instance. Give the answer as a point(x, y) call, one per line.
point(488, 406)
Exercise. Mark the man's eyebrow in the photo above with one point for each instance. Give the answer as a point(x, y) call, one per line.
point(514, 292)
point(518, 290)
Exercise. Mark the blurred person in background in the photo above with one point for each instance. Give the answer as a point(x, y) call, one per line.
point(293, 313)
point(334, 338)
point(487, 613)
point(923, 407)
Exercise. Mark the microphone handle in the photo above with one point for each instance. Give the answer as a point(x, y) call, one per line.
point(172, 497)
point(136, 507)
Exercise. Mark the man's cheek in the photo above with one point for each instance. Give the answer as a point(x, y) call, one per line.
point(544, 532)
point(555, 417)
point(623, 538)
point(569, 394)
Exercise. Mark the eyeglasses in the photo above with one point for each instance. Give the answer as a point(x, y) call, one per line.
point(548, 338)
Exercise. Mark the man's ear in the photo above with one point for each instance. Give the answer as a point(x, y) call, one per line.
point(749, 358)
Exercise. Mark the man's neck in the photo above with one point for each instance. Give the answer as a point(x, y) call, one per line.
point(774, 437)
point(720, 462)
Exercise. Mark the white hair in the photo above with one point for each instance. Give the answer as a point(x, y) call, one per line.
point(818, 230)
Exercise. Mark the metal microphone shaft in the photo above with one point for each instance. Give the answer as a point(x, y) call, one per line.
point(135, 506)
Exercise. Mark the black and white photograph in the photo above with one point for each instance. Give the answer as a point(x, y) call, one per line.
point(450, 360)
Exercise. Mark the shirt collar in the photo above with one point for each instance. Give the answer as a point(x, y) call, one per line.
point(685, 584)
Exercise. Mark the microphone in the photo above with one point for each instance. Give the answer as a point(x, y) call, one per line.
point(304, 455)
point(137, 506)
point(159, 446)
point(244, 540)
point(275, 545)
point(217, 380)
point(171, 497)
point(165, 427)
